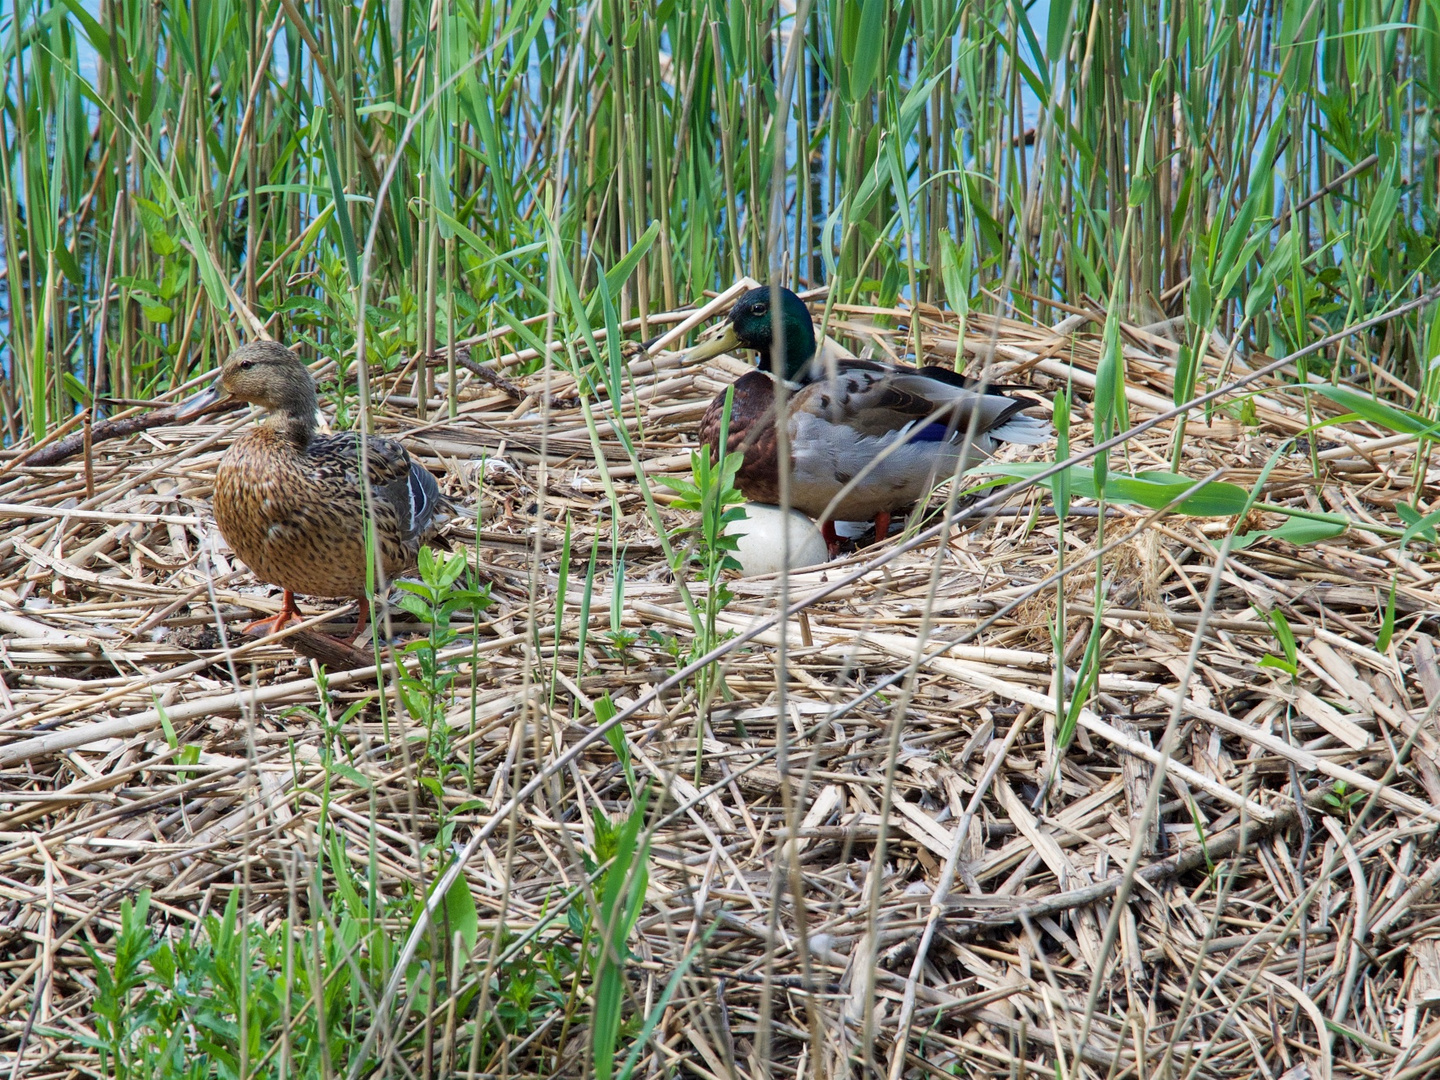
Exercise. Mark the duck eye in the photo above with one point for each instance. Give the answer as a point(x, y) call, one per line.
point(760, 308)
point(246, 365)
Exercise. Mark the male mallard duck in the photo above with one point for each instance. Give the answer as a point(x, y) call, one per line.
point(289, 501)
point(867, 439)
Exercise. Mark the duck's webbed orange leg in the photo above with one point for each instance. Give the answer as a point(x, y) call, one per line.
point(882, 525)
point(273, 625)
point(361, 620)
point(832, 538)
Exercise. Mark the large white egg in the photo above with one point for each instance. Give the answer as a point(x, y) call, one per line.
point(762, 535)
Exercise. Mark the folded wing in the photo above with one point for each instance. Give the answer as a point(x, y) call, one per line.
point(925, 405)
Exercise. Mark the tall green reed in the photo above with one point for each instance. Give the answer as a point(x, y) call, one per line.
point(148, 151)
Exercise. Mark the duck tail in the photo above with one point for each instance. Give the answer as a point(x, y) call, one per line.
point(455, 509)
point(1022, 429)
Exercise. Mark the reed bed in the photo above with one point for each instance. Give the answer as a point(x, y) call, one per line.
point(616, 817)
point(173, 175)
point(856, 870)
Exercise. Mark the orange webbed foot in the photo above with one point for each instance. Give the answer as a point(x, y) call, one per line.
point(361, 620)
point(882, 526)
point(288, 613)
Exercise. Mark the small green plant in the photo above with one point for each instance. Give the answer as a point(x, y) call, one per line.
point(1243, 411)
point(525, 990)
point(233, 998)
point(605, 709)
point(1387, 621)
point(711, 495)
point(714, 500)
point(1290, 663)
point(1341, 800)
point(704, 543)
point(667, 644)
point(125, 1009)
point(333, 745)
point(604, 929)
point(434, 600)
point(622, 641)
point(238, 998)
point(622, 645)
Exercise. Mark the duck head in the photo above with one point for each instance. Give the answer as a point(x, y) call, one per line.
point(264, 373)
point(753, 323)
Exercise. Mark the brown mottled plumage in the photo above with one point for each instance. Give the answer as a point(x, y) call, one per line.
point(290, 502)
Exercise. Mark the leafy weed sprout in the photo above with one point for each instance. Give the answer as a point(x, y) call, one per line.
point(434, 600)
point(712, 497)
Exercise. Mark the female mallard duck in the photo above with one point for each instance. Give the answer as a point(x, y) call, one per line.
point(290, 502)
point(866, 438)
